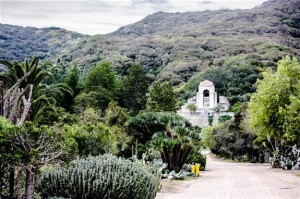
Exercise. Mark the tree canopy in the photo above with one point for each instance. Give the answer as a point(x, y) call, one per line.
point(135, 89)
point(274, 107)
point(192, 108)
point(162, 98)
point(101, 86)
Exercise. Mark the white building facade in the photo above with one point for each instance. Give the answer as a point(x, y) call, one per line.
point(206, 95)
point(206, 101)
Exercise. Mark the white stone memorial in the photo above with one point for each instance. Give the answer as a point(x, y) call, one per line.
point(206, 100)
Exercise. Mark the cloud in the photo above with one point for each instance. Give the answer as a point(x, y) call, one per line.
point(101, 16)
point(149, 1)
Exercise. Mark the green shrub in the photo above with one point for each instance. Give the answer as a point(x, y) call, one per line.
point(208, 137)
point(105, 177)
point(210, 120)
point(224, 118)
point(197, 157)
point(232, 142)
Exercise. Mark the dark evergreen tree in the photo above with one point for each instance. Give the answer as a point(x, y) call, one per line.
point(72, 80)
point(135, 89)
point(162, 98)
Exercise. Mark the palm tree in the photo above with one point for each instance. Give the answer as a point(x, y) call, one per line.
point(44, 96)
point(176, 143)
point(168, 133)
point(27, 96)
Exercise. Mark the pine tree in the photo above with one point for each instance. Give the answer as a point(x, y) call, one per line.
point(162, 98)
point(72, 80)
point(135, 89)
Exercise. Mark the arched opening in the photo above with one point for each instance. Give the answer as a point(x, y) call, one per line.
point(206, 93)
point(206, 98)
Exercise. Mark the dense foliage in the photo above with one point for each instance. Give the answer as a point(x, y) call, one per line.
point(53, 114)
point(71, 80)
point(44, 96)
point(24, 150)
point(145, 125)
point(135, 89)
point(231, 139)
point(274, 108)
point(162, 98)
point(175, 46)
point(196, 157)
point(18, 43)
point(101, 86)
point(235, 79)
point(32, 93)
point(171, 135)
point(231, 142)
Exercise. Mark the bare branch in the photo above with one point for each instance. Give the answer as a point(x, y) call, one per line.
point(17, 84)
point(27, 104)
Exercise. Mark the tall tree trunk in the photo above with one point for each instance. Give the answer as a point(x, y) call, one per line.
point(19, 184)
point(184, 157)
point(163, 156)
point(177, 152)
point(11, 184)
point(167, 157)
point(30, 174)
point(1, 183)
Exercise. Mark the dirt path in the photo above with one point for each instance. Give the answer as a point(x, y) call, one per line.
point(235, 180)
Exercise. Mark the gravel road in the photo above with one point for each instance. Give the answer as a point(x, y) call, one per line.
point(235, 180)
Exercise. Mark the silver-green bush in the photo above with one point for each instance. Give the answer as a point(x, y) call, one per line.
point(101, 177)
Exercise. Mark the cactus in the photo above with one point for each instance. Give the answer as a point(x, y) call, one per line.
point(103, 177)
point(286, 158)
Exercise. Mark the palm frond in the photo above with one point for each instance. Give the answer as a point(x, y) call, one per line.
point(39, 104)
point(8, 65)
point(19, 70)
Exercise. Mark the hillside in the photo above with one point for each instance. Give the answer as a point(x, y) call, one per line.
point(17, 42)
point(171, 46)
point(175, 46)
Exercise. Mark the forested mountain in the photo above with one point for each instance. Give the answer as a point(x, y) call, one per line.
point(17, 42)
point(171, 46)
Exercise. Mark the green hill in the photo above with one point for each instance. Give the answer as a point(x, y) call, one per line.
point(174, 46)
point(171, 46)
point(17, 42)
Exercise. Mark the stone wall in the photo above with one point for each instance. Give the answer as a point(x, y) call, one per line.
point(201, 120)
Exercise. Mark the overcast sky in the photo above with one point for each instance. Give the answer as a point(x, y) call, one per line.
point(101, 16)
